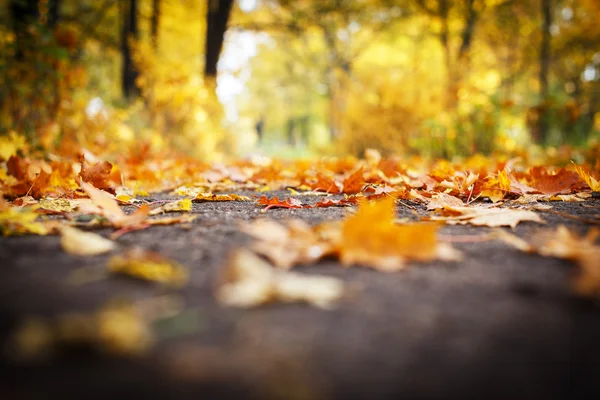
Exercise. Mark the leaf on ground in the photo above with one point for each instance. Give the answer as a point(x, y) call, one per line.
point(355, 182)
point(21, 221)
point(97, 174)
point(496, 186)
point(592, 182)
point(549, 183)
point(286, 245)
point(441, 200)
point(276, 203)
point(173, 206)
point(349, 201)
point(148, 265)
point(492, 217)
point(209, 196)
point(371, 237)
point(111, 209)
point(250, 281)
point(81, 243)
point(325, 184)
point(59, 205)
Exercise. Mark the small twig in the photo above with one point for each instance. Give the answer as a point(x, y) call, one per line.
point(470, 194)
point(33, 183)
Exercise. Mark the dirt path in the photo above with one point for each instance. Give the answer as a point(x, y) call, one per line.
point(501, 324)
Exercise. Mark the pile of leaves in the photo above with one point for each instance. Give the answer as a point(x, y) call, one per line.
point(73, 197)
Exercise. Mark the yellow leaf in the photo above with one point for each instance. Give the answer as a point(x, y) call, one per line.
point(148, 265)
point(11, 144)
point(81, 243)
point(173, 206)
point(590, 180)
point(15, 221)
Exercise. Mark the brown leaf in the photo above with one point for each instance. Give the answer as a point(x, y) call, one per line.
point(98, 174)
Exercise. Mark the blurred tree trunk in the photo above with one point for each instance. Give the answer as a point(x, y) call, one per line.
point(543, 124)
point(217, 16)
point(155, 23)
point(53, 13)
point(23, 13)
point(129, 31)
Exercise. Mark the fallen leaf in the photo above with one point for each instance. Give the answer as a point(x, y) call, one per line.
point(441, 200)
point(58, 204)
point(14, 221)
point(173, 206)
point(276, 203)
point(209, 196)
point(592, 182)
point(371, 237)
point(350, 201)
point(250, 281)
point(289, 244)
point(492, 217)
point(81, 243)
point(550, 183)
point(496, 187)
point(97, 175)
point(148, 265)
point(355, 182)
point(111, 209)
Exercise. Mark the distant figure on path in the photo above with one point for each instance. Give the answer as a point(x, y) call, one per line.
point(260, 124)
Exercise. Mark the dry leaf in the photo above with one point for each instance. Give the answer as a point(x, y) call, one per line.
point(81, 243)
point(251, 281)
point(58, 205)
point(20, 221)
point(354, 183)
point(287, 245)
point(98, 174)
point(148, 265)
point(173, 206)
point(441, 200)
point(209, 196)
point(276, 203)
point(592, 182)
point(492, 217)
point(371, 237)
point(111, 209)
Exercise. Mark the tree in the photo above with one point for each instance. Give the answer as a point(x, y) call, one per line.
point(540, 135)
point(217, 16)
point(129, 31)
point(155, 23)
point(23, 13)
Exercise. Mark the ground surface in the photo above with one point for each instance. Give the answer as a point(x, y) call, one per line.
point(501, 324)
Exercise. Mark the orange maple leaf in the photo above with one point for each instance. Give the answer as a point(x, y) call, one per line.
point(371, 237)
point(276, 203)
point(355, 182)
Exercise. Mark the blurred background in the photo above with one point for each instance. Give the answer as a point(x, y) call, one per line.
point(295, 78)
